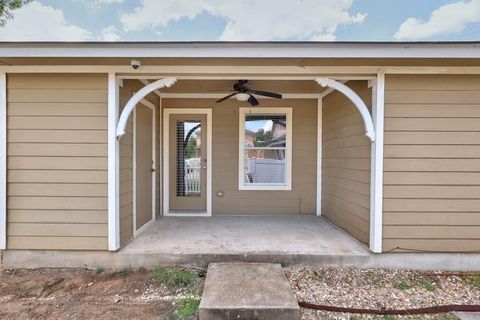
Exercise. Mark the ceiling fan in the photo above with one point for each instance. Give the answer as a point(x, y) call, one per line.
point(245, 92)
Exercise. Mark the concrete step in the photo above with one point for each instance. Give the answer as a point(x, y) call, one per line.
point(253, 291)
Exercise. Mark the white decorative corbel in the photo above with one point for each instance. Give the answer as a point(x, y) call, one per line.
point(357, 101)
point(136, 98)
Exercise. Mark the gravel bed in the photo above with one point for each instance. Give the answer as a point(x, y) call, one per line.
point(381, 289)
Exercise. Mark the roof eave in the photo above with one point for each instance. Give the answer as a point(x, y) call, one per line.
point(241, 49)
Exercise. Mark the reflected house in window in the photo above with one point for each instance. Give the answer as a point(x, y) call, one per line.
point(265, 144)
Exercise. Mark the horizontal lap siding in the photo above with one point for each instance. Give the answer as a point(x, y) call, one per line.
point(346, 163)
point(432, 163)
point(300, 200)
point(126, 162)
point(126, 167)
point(57, 162)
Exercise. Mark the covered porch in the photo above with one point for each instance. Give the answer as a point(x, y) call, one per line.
point(287, 240)
point(331, 159)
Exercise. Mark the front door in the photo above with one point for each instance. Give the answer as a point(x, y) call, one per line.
point(187, 163)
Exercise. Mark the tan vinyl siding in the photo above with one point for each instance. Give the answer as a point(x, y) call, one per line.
point(346, 163)
point(57, 161)
point(300, 200)
point(126, 163)
point(126, 167)
point(432, 163)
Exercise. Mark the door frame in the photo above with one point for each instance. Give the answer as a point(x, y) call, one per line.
point(151, 106)
point(166, 161)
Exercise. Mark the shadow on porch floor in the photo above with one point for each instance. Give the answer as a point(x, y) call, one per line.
point(288, 240)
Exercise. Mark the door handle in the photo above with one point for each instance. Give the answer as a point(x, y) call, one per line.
point(153, 169)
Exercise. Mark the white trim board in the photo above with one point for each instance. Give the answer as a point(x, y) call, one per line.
point(376, 181)
point(3, 161)
point(243, 50)
point(319, 156)
point(243, 72)
point(151, 106)
point(221, 95)
point(113, 165)
point(166, 160)
point(160, 158)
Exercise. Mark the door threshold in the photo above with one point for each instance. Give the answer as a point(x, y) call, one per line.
point(187, 213)
point(136, 233)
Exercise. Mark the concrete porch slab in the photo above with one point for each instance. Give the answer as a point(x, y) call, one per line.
point(247, 291)
point(199, 241)
point(286, 240)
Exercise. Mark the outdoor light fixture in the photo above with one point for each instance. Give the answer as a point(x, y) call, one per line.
point(242, 96)
point(243, 91)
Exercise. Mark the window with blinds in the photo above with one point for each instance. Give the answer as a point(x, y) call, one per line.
point(188, 158)
point(265, 156)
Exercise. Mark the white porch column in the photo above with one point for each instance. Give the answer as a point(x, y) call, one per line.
point(3, 161)
point(376, 182)
point(113, 165)
point(319, 155)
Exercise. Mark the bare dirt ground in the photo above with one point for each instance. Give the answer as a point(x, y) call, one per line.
point(86, 294)
point(174, 293)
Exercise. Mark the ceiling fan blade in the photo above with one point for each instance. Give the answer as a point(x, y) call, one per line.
point(253, 101)
point(267, 94)
point(226, 97)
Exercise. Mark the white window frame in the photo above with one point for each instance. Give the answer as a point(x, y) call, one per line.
point(288, 148)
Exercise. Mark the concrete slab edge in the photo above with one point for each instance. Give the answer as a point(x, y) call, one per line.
point(92, 259)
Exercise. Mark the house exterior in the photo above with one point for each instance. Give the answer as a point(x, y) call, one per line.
point(381, 139)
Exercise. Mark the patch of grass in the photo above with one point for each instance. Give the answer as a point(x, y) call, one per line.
point(186, 308)
point(99, 270)
point(429, 286)
point(474, 280)
point(175, 277)
point(125, 272)
point(320, 275)
point(402, 286)
point(389, 318)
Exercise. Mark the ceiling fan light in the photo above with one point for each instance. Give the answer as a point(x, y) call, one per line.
point(242, 96)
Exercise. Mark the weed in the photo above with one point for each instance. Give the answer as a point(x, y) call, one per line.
point(429, 286)
point(474, 280)
point(99, 270)
point(373, 279)
point(402, 286)
point(186, 308)
point(175, 277)
point(125, 272)
point(320, 275)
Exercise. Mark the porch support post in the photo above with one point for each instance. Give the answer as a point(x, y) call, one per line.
point(113, 165)
point(3, 161)
point(319, 156)
point(376, 180)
